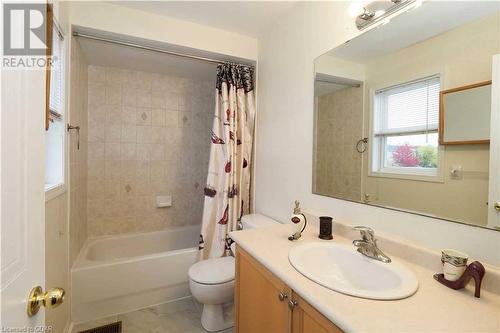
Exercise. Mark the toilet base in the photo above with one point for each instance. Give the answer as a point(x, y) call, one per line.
point(212, 318)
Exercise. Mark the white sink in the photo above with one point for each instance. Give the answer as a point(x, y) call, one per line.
point(343, 269)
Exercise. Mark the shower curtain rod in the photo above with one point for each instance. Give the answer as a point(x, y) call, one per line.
point(345, 83)
point(148, 48)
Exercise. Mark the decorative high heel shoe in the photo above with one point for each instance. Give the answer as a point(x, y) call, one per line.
point(474, 271)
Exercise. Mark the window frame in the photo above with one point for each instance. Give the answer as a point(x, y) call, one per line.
point(53, 190)
point(377, 151)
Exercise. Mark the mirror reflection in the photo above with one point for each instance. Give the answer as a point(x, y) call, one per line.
point(403, 120)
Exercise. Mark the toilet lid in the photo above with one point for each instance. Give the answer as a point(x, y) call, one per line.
point(213, 271)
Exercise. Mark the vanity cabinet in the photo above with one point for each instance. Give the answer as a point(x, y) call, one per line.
point(264, 304)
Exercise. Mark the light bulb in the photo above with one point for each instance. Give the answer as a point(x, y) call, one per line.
point(356, 8)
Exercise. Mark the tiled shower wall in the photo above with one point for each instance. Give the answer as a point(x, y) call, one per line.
point(149, 135)
point(339, 127)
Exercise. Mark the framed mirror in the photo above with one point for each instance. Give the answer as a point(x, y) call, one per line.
point(397, 108)
point(464, 115)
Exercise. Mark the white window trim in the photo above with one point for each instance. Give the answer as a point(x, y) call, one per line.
point(55, 190)
point(418, 174)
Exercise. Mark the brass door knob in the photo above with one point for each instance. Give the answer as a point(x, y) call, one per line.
point(497, 206)
point(50, 299)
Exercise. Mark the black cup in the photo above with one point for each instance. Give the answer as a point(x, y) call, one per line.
point(325, 227)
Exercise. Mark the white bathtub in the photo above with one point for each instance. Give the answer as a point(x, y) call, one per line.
point(117, 274)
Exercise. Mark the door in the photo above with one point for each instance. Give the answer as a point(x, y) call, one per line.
point(261, 298)
point(494, 185)
point(22, 141)
point(306, 319)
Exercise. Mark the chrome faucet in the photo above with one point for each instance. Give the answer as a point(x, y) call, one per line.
point(368, 245)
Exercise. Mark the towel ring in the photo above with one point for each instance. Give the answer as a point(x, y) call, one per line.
point(361, 145)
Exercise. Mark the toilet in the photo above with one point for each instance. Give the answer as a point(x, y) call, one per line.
point(212, 282)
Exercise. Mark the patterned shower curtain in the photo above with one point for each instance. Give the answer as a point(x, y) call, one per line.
point(227, 193)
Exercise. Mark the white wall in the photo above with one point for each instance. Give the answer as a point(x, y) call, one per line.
point(285, 137)
point(140, 24)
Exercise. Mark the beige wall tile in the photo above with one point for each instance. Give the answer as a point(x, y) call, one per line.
point(112, 170)
point(95, 170)
point(144, 134)
point(158, 99)
point(158, 117)
point(95, 190)
point(96, 93)
point(95, 151)
point(128, 133)
point(113, 133)
point(129, 170)
point(113, 114)
point(143, 116)
point(112, 189)
point(143, 151)
point(172, 101)
point(112, 151)
point(129, 115)
point(129, 97)
point(157, 152)
point(96, 133)
point(114, 76)
point(144, 80)
point(171, 118)
point(96, 73)
point(140, 124)
point(128, 151)
point(185, 119)
point(113, 94)
point(144, 98)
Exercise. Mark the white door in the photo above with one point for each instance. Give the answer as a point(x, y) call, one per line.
point(494, 186)
point(22, 140)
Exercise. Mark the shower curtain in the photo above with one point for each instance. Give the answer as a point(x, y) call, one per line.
point(227, 193)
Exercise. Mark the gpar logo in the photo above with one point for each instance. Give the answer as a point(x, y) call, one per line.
point(24, 29)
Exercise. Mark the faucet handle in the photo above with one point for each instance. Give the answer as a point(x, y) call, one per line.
point(367, 233)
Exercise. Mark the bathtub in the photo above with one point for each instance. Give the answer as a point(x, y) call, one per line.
point(117, 274)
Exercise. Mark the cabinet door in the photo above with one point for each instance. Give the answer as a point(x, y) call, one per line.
point(259, 306)
point(306, 319)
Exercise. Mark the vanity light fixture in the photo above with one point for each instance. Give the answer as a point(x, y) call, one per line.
point(373, 12)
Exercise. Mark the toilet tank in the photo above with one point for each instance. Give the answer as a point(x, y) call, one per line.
point(252, 221)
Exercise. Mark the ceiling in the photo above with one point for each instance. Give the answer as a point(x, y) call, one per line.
point(430, 19)
point(250, 18)
point(112, 55)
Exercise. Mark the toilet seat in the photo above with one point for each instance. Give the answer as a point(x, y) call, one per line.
point(213, 271)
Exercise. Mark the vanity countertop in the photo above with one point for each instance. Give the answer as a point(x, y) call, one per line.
point(434, 308)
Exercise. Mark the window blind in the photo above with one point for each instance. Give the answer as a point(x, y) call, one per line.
point(408, 108)
point(56, 100)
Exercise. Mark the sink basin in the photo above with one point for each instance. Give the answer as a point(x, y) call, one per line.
point(343, 269)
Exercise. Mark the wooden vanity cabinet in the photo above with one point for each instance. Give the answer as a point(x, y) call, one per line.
point(264, 304)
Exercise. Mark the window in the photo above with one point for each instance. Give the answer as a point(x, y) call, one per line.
point(55, 134)
point(405, 129)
